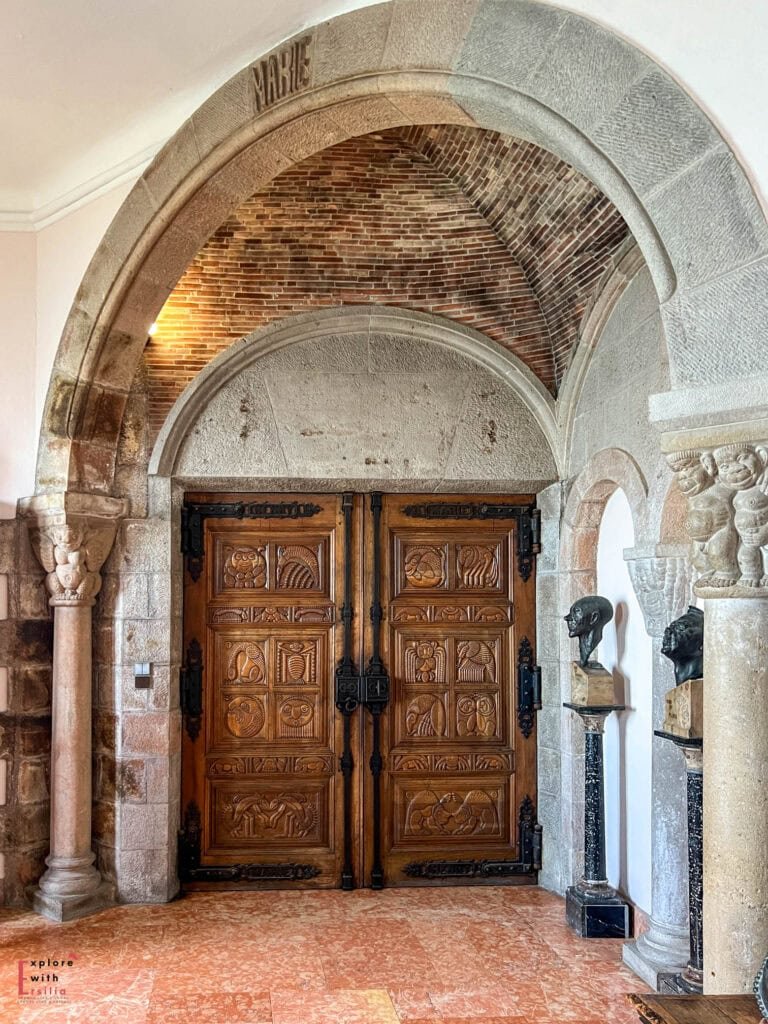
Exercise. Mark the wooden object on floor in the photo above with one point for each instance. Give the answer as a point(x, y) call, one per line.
point(653, 1009)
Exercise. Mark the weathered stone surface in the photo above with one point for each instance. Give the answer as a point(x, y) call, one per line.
point(32, 689)
point(428, 34)
point(510, 38)
point(105, 724)
point(131, 783)
point(174, 162)
point(655, 132)
point(723, 324)
point(236, 435)
point(32, 782)
point(104, 822)
point(143, 826)
point(144, 733)
point(230, 109)
point(499, 439)
point(144, 545)
point(709, 219)
point(350, 45)
point(586, 73)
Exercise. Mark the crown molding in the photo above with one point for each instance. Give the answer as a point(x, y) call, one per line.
point(66, 203)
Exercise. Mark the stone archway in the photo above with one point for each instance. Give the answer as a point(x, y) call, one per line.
point(516, 67)
point(513, 67)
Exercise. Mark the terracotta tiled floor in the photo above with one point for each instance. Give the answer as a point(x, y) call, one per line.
point(425, 956)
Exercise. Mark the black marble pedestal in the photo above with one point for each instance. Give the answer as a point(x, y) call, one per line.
point(593, 908)
point(597, 915)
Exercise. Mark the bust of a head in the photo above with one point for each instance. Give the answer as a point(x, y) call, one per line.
point(586, 620)
point(683, 644)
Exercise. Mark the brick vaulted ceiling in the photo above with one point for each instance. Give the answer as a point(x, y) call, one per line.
point(487, 230)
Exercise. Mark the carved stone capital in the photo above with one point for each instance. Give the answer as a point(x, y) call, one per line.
point(726, 487)
point(72, 534)
point(662, 582)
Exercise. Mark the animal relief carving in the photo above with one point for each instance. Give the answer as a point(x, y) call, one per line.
point(245, 568)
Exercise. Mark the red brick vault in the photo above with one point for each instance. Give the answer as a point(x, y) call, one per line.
point(492, 232)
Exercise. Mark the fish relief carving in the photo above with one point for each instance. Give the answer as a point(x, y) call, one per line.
point(298, 568)
point(246, 663)
point(245, 715)
point(451, 814)
point(476, 715)
point(245, 568)
point(475, 662)
point(425, 566)
point(477, 566)
point(298, 662)
point(425, 662)
point(266, 816)
point(425, 716)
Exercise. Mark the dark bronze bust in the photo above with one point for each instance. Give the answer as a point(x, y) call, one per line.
point(586, 620)
point(683, 644)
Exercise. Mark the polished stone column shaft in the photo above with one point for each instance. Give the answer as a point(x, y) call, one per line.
point(594, 802)
point(693, 974)
point(72, 535)
point(736, 794)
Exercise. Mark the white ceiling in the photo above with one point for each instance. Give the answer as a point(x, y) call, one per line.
point(90, 89)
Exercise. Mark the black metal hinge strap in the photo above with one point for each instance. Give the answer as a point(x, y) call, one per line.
point(190, 870)
point(191, 678)
point(194, 514)
point(376, 692)
point(529, 859)
point(527, 517)
point(528, 687)
point(347, 694)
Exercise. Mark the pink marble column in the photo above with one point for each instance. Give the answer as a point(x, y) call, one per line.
point(72, 535)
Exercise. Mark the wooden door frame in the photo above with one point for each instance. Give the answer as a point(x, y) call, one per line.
point(361, 554)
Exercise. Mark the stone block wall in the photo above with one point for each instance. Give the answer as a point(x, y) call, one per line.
point(26, 639)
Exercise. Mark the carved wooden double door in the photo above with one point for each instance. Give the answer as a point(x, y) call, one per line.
point(358, 690)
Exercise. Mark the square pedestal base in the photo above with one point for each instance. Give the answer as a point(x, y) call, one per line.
point(70, 908)
point(677, 985)
point(597, 917)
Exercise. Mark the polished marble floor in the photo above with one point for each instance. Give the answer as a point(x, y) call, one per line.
point(424, 956)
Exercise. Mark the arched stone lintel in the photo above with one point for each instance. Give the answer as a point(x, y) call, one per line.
point(608, 470)
point(349, 320)
point(449, 61)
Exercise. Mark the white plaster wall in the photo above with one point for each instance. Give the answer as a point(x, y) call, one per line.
point(626, 652)
point(64, 250)
point(17, 369)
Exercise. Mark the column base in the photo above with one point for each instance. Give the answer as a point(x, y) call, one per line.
point(662, 950)
point(597, 915)
point(683, 984)
point(70, 908)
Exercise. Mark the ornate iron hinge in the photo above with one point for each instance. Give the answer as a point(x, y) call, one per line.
point(527, 517)
point(190, 869)
point(191, 678)
point(194, 514)
point(529, 861)
point(528, 687)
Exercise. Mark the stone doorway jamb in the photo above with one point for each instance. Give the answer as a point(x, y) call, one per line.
point(71, 534)
point(662, 581)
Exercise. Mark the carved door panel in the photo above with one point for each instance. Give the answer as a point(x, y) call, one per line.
point(261, 799)
point(350, 691)
point(459, 761)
